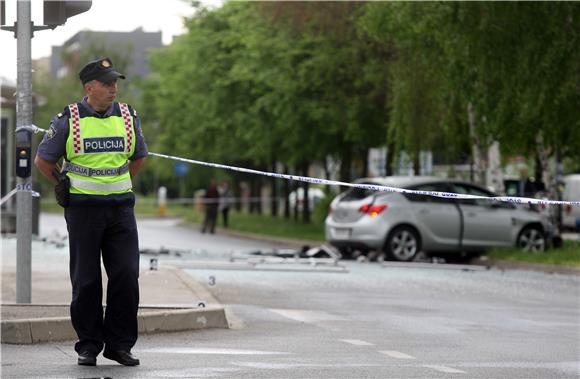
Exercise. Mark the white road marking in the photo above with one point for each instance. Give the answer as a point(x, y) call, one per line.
point(397, 354)
point(445, 369)
point(434, 266)
point(307, 316)
point(268, 366)
point(358, 342)
point(189, 350)
point(285, 366)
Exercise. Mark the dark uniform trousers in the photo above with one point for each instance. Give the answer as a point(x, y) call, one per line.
point(112, 230)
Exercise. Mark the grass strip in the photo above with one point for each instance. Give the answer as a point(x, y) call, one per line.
point(568, 255)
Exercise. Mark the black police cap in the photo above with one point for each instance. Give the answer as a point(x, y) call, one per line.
point(101, 70)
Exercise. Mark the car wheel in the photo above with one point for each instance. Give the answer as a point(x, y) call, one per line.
point(403, 244)
point(532, 239)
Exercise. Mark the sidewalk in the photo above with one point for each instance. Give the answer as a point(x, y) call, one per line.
point(170, 301)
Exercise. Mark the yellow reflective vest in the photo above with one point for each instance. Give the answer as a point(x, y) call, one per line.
point(98, 151)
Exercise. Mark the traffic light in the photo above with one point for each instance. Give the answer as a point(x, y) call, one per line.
point(23, 153)
point(57, 12)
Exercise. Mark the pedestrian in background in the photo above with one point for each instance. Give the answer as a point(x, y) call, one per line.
point(225, 199)
point(211, 203)
point(103, 149)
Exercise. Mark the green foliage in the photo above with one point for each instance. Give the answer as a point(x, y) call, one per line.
point(322, 207)
point(246, 84)
point(516, 63)
point(253, 84)
point(568, 255)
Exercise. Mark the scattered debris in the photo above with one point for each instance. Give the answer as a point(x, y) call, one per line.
point(164, 251)
point(56, 239)
point(318, 255)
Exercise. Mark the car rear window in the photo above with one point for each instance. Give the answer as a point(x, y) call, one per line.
point(430, 187)
point(354, 194)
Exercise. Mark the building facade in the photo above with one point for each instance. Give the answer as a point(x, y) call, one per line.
point(134, 45)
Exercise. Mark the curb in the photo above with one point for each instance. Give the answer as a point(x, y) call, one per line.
point(270, 239)
point(258, 237)
point(206, 312)
point(538, 267)
point(151, 319)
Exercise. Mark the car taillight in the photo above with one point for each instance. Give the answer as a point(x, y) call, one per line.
point(372, 210)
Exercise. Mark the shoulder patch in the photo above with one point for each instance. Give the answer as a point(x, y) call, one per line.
point(51, 132)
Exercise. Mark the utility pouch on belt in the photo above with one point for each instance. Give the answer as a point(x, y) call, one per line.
point(61, 190)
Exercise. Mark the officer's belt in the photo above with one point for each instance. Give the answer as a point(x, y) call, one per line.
point(89, 171)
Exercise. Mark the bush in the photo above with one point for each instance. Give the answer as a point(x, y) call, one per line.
point(321, 209)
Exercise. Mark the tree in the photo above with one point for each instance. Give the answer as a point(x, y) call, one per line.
point(513, 65)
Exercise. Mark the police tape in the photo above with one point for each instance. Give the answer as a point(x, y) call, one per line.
point(18, 188)
point(31, 128)
point(221, 200)
point(372, 187)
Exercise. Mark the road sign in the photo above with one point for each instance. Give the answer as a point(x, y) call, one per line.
point(181, 169)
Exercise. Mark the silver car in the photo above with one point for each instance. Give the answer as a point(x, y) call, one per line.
point(401, 225)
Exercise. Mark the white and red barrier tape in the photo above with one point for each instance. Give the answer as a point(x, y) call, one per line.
point(515, 200)
point(509, 199)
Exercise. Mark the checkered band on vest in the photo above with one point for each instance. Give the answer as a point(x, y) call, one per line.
point(76, 127)
point(127, 119)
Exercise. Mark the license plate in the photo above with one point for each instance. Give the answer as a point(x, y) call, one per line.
point(341, 233)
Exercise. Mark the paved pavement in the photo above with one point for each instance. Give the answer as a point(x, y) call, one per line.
point(170, 299)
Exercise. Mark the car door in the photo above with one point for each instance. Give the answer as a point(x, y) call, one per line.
point(485, 223)
point(437, 218)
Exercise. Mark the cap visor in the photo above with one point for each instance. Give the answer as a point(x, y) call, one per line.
point(110, 76)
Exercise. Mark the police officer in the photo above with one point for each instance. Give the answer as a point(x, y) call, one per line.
point(103, 148)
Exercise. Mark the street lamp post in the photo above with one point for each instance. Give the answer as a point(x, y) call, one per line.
point(55, 14)
point(23, 153)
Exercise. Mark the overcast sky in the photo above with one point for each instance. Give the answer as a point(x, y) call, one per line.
point(105, 15)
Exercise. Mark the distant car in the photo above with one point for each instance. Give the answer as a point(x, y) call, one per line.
point(315, 195)
point(402, 225)
point(571, 214)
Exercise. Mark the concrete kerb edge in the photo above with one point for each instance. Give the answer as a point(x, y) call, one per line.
point(272, 239)
point(187, 319)
point(262, 238)
point(538, 267)
point(47, 329)
point(204, 294)
point(151, 318)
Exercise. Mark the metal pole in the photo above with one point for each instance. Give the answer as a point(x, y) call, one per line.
point(23, 118)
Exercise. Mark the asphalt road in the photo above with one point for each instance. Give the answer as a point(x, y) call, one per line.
point(370, 322)
point(405, 322)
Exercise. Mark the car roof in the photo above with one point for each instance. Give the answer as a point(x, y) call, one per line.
point(401, 181)
point(412, 181)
